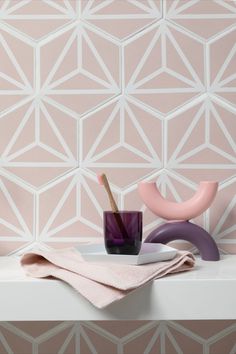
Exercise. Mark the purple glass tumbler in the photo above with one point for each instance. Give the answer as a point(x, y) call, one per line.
point(123, 231)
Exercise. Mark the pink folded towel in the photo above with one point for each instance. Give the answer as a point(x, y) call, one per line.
point(100, 283)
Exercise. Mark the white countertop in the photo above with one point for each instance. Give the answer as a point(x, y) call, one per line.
point(206, 292)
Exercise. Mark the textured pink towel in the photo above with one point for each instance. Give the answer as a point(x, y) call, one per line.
point(100, 283)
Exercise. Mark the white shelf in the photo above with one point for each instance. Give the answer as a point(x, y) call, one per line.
point(207, 292)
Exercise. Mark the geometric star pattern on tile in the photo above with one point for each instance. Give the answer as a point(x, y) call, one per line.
point(138, 81)
point(169, 335)
point(33, 139)
point(203, 18)
point(202, 136)
point(79, 68)
point(28, 17)
point(150, 337)
point(129, 17)
point(122, 135)
point(138, 89)
point(161, 70)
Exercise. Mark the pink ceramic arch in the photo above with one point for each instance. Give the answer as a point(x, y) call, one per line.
point(186, 210)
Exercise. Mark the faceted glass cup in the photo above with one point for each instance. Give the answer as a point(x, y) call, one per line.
point(123, 231)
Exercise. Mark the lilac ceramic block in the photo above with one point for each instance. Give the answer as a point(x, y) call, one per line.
point(189, 232)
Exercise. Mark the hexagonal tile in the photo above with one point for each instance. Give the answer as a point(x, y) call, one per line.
point(123, 139)
point(204, 18)
point(201, 139)
point(162, 69)
point(34, 143)
point(36, 19)
point(128, 17)
point(79, 69)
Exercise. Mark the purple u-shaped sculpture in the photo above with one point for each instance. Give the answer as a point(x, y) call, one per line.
point(180, 228)
point(187, 231)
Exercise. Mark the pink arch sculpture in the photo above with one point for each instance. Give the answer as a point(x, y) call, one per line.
point(186, 210)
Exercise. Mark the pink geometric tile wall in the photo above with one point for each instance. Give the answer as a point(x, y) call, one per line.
point(139, 89)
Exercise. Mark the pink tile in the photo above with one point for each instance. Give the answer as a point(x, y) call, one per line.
point(223, 76)
point(10, 100)
point(128, 17)
point(53, 133)
point(201, 138)
point(48, 200)
point(138, 148)
point(202, 174)
point(23, 200)
point(62, 340)
point(176, 339)
point(225, 344)
point(8, 125)
point(34, 144)
point(207, 328)
point(207, 156)
point(80, 69)
point(16, 342)
point(85, 347)
point(177, 131)
point(35, 328)
point(222, 128)
point(79, 104)
point(37, 8)
point(138, 344)
point(118, 329)
point(90, 339)
point(228, 97)
point(24, 62)
point(104, 49)
point(104, 337)
point(134, 52)
point(205, 7)
point(167, 73)
point(220, 49)
point(204, 18)
point(27, 17)
point(185, 55)
point(34, 176)
point(7, 67)
point(17, 70)
point(163, 104)
point(50, 53)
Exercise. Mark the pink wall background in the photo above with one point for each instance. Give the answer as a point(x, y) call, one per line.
point(138, 89)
